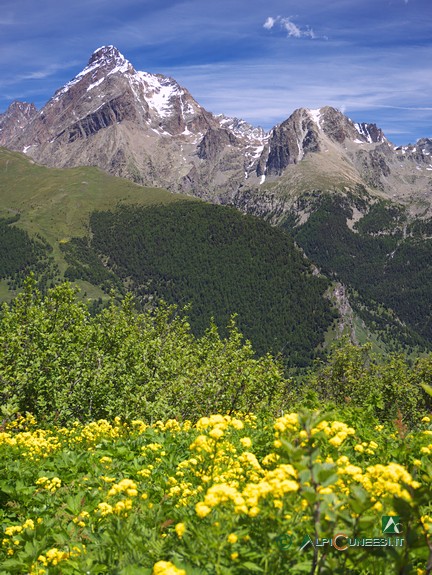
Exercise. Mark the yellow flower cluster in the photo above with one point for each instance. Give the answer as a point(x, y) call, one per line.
point(215, 461)
point(12, 531)
point(93, 432)
point(336, 431)
point(105, 460)
point(107, 479)
point(180, 529)
point(289, 422)
point(426, 521)
point(122, 508)
point(426, 450)
point(167, 568)
point(153, 452)
point(49, 484)
point(275, 483)
point(366, 447)
point(54, 556)
point(139, 425)
point(382, 480)
point(218, 421)
point(34, 445)
point(124, 486)
point(146, 472)
point(81, 518)
point(378, 480)
point(173, 426)
point(22, 422)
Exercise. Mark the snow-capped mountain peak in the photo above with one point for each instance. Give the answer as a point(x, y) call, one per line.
point(243, 129)
point(104, 62)
point(109, 56)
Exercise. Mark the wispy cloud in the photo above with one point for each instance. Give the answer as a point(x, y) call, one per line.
point(269, 23)
point(47, 71)
point(392, 96)
point(287, 24)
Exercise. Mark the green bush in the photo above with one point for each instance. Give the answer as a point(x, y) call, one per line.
point(59, 362)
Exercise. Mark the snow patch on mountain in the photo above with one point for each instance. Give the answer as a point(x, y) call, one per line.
point(316, 116)
point(255, 134)
point(95, 84)
point(363, 131)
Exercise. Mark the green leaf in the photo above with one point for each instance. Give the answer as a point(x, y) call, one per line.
point(427, 388)
point(252, 567)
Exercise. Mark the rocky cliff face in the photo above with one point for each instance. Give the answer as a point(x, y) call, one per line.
point(15, 120)
point(141, 126)
point(148, 128)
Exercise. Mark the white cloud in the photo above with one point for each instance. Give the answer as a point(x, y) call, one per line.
point(291, 28)
point(269, 23)
point(287, 24)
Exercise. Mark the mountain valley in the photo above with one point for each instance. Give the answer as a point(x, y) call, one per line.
point(357, 206)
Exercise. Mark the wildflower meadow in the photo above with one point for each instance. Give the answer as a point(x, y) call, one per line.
point(131, 446)
point(239, 494)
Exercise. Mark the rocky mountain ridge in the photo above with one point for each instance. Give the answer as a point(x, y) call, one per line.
point(148, 128)
point(14, 120)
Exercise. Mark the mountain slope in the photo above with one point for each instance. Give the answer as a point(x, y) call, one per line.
point(53, 205)
point(108, 233)
point(148, 128)
point(223, 263)
point(14, 120)
point(384, 256)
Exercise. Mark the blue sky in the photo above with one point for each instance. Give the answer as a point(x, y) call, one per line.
point(255, 59)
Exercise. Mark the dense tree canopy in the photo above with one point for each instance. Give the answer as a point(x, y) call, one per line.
point(219, 261)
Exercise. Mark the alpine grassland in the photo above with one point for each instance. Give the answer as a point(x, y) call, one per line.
point(131, 446)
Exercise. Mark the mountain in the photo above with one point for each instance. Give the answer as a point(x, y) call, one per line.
point(323, 150)
point(107, 233)
point(141, 126)
point(148, 128)
point(358, 206)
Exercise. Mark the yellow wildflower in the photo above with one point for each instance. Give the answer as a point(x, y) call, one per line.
point(202, 510)
point(246, 442)
point(180, 529)
point(216, 433)
point(167, 568)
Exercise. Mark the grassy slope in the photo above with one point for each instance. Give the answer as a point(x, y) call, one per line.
point(56, 203)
